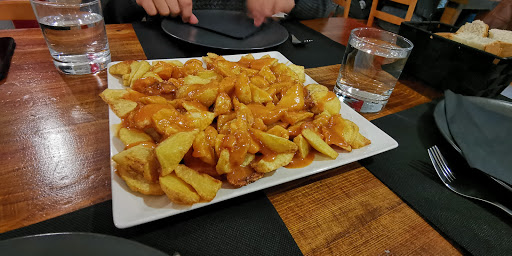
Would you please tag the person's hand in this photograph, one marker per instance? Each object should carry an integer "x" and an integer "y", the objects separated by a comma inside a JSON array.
[
  {"x": 259, "y": 10},
  {"x": 173, "y": 8}
]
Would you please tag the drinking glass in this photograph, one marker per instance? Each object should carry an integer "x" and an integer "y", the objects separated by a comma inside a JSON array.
[
  {"x": 74, "y": 31},
  {"x": 371, "y": 66}
]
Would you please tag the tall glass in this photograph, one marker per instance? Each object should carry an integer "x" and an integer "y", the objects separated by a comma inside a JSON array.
[
  {"x": 371, "y": 66},
  {"x": 74, "y": 31}
]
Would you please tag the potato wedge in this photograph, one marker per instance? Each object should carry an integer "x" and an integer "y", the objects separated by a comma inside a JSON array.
[
  {"x": 141, "y": 159},
  {"x": 275, "y": 143},
  {"x": 267, "y": 165},
  {"x": 137, "y": 183},
  {"x": 114, "y": 98},
  {"x": 120, "y": 68},
  {"x": 318, "y": 143},
  {"x": 170, "y": 151},
  {"x": 178, "y": 191},
  {"x": 204, "y": 184},
  {"x": 303, "y": 145},
  {"x": 133, "y": 136},
  {"x": 141, "y": 70}
]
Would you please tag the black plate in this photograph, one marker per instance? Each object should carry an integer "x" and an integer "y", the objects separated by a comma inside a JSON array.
[
  {"x": 74, "y": 244},
  {"x": 498, "y": 106},
  {"x": 269, "y": 35}
]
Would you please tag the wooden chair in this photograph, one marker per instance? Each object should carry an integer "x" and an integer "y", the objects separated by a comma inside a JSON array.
[
  {"x": 16, "y": 10},
  {"x": 346, "y": 6},
  {"x": 374, "y": 13}
]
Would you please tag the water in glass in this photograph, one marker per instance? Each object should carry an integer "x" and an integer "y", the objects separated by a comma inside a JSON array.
[
  {"x": 369, "y": 72},
  {"x": 77, "y": 42}
]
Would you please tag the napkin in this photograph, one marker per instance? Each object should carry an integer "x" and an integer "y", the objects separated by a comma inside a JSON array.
[
  {"x": 483, "y": 134},
  {"x": 230, "y": 23}
]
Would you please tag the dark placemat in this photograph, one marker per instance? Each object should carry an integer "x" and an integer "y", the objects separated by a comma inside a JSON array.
[
  {"x": 321, "y": 52},
  {"x": 247, "y": 225},
  {"x": 474, "y": 226}
]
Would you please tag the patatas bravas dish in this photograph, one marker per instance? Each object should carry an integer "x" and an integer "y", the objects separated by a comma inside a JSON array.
[{"x": 188, "y": 128}]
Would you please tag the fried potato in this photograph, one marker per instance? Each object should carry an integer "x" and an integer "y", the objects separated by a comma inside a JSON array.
[
  {"x": 266, "y": 73},
  {"x": 275, "y": 143},
  {"x": 259, "y": 95},
  {"x": 204, "y": 184},
  {"x": 223, "y": 165},
  {"x": 223, "y": 104},
  {"x": 203, "y": 150},
  {"x": 350, "y": 132},
  {"x": 141, "y": 159},
  {"x": 178, "y": 191},
  {"x": 200, "y": 119},
  {"x": 133, "y": 136},
  {"x": 242, "y": 89},
  {"x": 154, "y": 75},
  {"x": 293, "y": 98},
  {"x": 293, "y": 117},
  {"x": 187, "y": 128},
  {"x": 143, "y": 67},
  {"x": 299, "y": 70},
  {"x": 267, "y": 165},
  {"x": 114, "y": 98},
  {"x": 170, "y": 151},
  {"x": 318, "y": 143},
  {"x": 279, "y": 131},
  {"x": 195, "y": 80},
  {"x": 323, "y": 99},
  {"x": 303, "y": 145},
  {"x": 137, "y": 183},
  {"x": 120, "y": 68}
]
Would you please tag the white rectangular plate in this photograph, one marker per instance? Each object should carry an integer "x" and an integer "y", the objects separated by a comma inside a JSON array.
[{"x": 130, "y": 208}]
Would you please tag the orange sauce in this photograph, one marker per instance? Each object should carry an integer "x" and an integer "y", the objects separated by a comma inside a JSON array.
[
  {"x": 299, "y": 162},
  {"x": 329, "y": 96},
  {"x": 241, "y": 176}
]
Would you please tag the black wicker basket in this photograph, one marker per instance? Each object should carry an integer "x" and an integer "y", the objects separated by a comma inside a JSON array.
[{"x": 446, "y": 64}]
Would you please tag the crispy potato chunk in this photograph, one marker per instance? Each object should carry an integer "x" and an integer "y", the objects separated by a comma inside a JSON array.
[
  {"x": 114, "y": 98},
  {"x": 318, "y": 143},
  {"x": 279, "y": 131},
  {"x": 323, "y": 99},
  {"x": 120, "y": 68},
  {"x": 350, "y": 132},
  {"x": 133, "y": 136},
  {"x": 141, "y": 159},
  {"x": 178, "y": 191},
  {"x": 293, "y": 117},
  {"x": 204, "y": 184},
  {"x": 170, "y": 151},
  {"x": 137, "y": 183},
  {"x": 267, "y": 165},
  {"x": 303, "y": 145},
  {"x": 275, "y": 143}
]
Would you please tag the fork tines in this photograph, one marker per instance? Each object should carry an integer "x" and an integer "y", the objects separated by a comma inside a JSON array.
[{"x": 439, "y": 161}]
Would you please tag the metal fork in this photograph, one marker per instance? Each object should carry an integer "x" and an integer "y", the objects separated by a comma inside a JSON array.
[
  {"x": 471, "y": 184},
  {"x": 296, "y": 41}
]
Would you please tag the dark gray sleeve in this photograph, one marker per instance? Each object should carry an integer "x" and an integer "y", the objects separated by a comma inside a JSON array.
[{"x": 312, "y": 9}]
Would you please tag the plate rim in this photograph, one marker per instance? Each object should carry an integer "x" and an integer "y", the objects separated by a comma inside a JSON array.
[
  {"x": 387, "y": 141},
  {"x": 87, "y": 235}
]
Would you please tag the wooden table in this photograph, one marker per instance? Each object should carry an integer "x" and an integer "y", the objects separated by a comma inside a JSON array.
[{"x": 55, "y": 157}]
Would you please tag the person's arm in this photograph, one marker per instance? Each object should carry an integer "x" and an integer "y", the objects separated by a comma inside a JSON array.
[{"x": 174, "y": 8}]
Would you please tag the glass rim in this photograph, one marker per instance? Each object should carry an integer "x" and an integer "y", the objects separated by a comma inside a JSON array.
[
  {"x": 411, "y": 45},
  {"x": 61, "y": 4}
]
